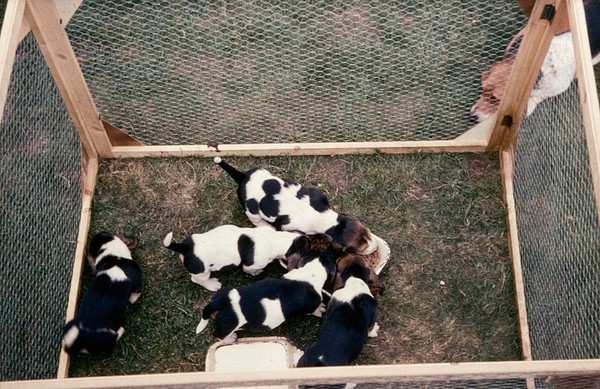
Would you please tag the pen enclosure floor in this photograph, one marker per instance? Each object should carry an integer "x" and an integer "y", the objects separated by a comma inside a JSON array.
[{"x": 442, "y": 216}]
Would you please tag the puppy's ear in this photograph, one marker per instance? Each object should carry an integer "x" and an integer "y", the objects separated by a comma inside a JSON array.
[
  {"x": 375, "y": 284},
  {"x": 130, "y": 241},
  {"x": 296, "y": 251}
]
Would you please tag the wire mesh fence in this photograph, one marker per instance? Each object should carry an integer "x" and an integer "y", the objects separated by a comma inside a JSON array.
[
  {"x": 184, "y": 72},
  {"x": 272, "y": 72},
  {"x": 40, "y": 203},
  {"x": 558, "y": 232}
]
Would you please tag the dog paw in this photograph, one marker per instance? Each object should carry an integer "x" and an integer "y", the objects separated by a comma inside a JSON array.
[
  {"x": 133, "y": 297},
  {"x": 229, "y": 339},
  {"x": 320, "y": 310},
  {"x": 373, "y": 332},
  {"x": 253, "y": 272},
  {"x": 212, "y": 284}
]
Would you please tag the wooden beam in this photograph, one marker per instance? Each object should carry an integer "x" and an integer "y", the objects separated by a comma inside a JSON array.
[
  {"x": 588, "y": 95},
  {"x": 340, "y": 374},
  {"x": 89, "y": 184},
  {"x": 507, "y": 164},
  {"x": 527, "y": 7},
  {"x": 13, "y": 19},
  {"x": 54, "y": 44},
  {"x": 300, "y": 149},
  {"x": 531, "y": 55},
  {"x": 65, "y": 8}
]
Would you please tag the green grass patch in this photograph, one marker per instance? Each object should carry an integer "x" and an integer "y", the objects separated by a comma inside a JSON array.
[{"x": 441, "y": 214}]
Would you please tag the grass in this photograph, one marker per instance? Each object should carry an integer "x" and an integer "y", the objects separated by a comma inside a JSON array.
[{"x": 441, "y": 214}]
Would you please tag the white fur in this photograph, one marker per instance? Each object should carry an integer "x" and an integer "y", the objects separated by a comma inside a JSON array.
[
  {"x": 303, "y": 217},
  {"x": 313, "y": 273},
  {"x": 373, "y": 332},
  {"x": 203, "y": 279},
  {"x": 168, "y": 239},
  {"x": 71, "y": 336},
  {"x": 218, "y": 248},
  {"x": 134, "y": 297},
  {"x": 115, "y": 273},
  {"x": 120, "y": 332},
  {"x": 274, "y": 313},
  {"x": 558, "y": 70},
  {"x": 115, "y": 247},
  {"x": 354, "y": 286},
  {"x": 201, "y": 326}
]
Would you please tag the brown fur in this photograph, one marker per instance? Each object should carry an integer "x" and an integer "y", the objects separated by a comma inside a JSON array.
[
  {"x": 375, "y": 284},
  {"x": 495, "y": 79}
]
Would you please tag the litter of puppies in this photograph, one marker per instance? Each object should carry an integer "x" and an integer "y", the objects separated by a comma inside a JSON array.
[{"x": 333, "y": 263}]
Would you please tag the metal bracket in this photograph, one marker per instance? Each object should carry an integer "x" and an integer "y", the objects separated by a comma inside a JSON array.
[{"x": 548, "y": 12}]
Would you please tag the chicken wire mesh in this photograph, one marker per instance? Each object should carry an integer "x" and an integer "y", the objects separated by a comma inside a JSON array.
[
  {"x": 558, "y": 231},
  {"x": 40, "y": 195},
  {"x": 186, "y": 72}
]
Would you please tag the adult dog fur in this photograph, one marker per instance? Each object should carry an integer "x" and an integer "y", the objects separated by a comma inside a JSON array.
[
  {"x": 288, "y": 206},
  {"x": 228, "y": 246},
  {"x": 349, "y": 321},
  {"x": 556, "y": 74},
  {"x": 266, "y": 304},
  {"x": 98, "y": 324}
]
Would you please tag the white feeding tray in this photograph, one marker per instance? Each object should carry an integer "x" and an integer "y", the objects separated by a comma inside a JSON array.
[
  {"x": 384, "y": 252},
  {"x": 252, "y": 354}
]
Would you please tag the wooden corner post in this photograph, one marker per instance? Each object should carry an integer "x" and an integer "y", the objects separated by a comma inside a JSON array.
[
  {"x": 546, "y": 18},
  {"x": 52, "y": 39}
]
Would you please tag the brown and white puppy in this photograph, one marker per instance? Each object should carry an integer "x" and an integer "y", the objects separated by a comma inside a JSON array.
[
  {"x": 289, "y": 206},
  {"x": 556, "y": 74},
  {"x": 99, "y": 321},
  {"x": 266, "y": 304},
  {"x": 350, "y": 261},
  {"x": 227, "y": 246},
  {"x": 349, "y": 321}
]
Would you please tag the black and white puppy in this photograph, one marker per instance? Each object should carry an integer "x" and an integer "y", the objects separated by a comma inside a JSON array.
[
  {"x": 228, "y": 246},
  {"x": 288, "y": 206},
  {"x": 266, "y": 304},
  {"x": 99, "y": 321},
  {"x": 349, "y": 321}
]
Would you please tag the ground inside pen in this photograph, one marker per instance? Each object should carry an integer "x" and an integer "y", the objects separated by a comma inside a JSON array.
[{"x": 449, "y": 294}]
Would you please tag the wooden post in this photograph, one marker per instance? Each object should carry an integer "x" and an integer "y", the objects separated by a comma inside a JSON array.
[
  {"x": 66, "y": 9},
  {"x": 54, "y": 44},
  {"x": 90, "y": 174},
  {"x": 13, "y": 18},
  {"x": 588, "y": 95},
  {"x": 507, "y": 165},
  {"x": 526, "y": 68},
  {"x": 411, "y": 373}
]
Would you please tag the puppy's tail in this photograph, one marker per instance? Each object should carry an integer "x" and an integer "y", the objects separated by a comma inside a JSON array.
[
  {"x": 70, "y": 335},
  {"x": 211, "y": 308},
  {"x": 206, "y": 313},
  {"x": 177, "y": 247},
  {"x": 237, "y": 175}
]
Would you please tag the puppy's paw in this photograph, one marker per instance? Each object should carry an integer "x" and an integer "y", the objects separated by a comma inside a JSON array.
[
  {"x": 133, "y": 297},
  {"x": 253, "y": 272},
  {"x": 120, "y": 332},
  {"x": 229, "y": 339},
  {"x": 320, "y": 310},
  {"x": 373, "y": 332},
  {"x": 212, "y": 284}
]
